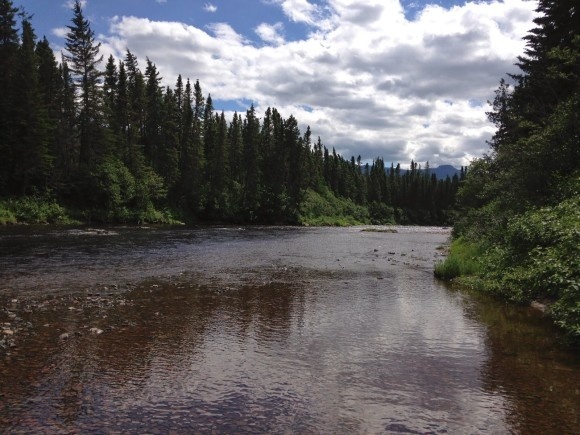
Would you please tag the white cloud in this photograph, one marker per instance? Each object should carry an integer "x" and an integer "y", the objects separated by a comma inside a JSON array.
[
  {"x": 208, "y": 7},
  {"x": 367, "y": 80},
  {"x": 69, "y": 4},
  {"x": 60, "y": 31},
  {"x": 225, "y": 33},
  {"x": 161, "y": 1},
  {"x": 271, "y": 34},
  {"x": 300, "y": 11}
]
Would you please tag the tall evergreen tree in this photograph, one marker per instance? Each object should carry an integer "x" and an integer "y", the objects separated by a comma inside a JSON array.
[
  {"x": 251, "y": 165},
  {"x": 9, "y": 44},
  {"x": 34, "y": 165},
  {"x": 168, "y": 153},
  {"x": 192, "y": 149},
  {"x": 219, "y": 193},
  {"x": 236, "y": 148},
  {"x": 153, "y": 115},
  {"x": 135, "y": 113},
  {"x": 52, "y": 93},
  {"x": 110, "y": 94},
  {"x": 296, "y": 168},
  {"x": 82, "y": 56}
]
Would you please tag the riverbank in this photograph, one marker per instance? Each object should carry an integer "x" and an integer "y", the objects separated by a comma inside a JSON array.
[
  {"x": 319, "y": 207},
  {"x": 535, "y": 264}
]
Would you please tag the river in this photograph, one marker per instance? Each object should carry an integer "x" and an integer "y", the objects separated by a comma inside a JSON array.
[{"x": 265, "y": 330}]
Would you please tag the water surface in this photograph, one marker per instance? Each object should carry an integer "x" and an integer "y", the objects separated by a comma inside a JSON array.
[{"x": 265, "y": 330}]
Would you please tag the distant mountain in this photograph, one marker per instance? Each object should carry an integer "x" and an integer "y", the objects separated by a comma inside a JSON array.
[
  {"x": 441, "y": 172},
  {"x": 445, "y": 171}
]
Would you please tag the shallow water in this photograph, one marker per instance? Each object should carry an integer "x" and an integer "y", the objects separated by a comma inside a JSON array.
[{"x": 265, "y": 330}]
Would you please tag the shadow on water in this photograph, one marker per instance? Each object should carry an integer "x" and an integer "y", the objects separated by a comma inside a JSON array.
[
  {"x": 269, "y": 331},
  {"x": 529, "y": 365}
]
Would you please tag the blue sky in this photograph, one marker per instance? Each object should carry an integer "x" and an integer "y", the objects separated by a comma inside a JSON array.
[{"x": 397, "y": 79}]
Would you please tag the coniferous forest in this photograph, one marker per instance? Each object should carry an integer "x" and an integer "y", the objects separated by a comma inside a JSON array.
[
  {"x": 93, "y": 140},
  {"x": 518, "y": 234}
]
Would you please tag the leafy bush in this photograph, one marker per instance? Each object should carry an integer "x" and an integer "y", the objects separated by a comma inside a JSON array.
[
  {"x": 33, "y": 210},
  {"x": 324, "y": 209},
  {"x": 544, "y": 254},
  {"x": 381, "y": 213},
  {"x": 113, "y": 186},
  {"x": 538, "y": 259},
  {"x": 6, "y": 215}
]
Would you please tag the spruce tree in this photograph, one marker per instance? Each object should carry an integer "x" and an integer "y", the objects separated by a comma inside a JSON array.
[
  {"x": 110, "y": 95},
  {"x": 9, "y": 44},
  {"x": 296, "y": 171},
  {"x": 33, "y": 166},
  {"x": 251, "y": 165},
  {"x": 82, "y": 56},
  {"x": 153, "y": 115},
  {"x": 236, "y": 147},
  {"x": 52, "y": 94},
  {"x": 168, "y": 153},
  {"x": 135, "y": 114}
]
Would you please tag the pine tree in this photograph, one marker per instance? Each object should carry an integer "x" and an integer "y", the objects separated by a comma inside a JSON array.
[
  {"x": 251, "y": 165},
  {"x": 191, "y": 185},
  {"x": 296, "y": 170},
  {"x": 236, "y": 145},
  {"x": 52, "y": 95},
  {"x": 153, "y": 115},
  {"x": 9, "y": 45},
  {"x": 110, "y": 95},
  {"x": 538, "y": 122},
  {"x": 67, "y": 138},
  {"x": 33, "y": 166},
  {"x": 83, "y": 60},
  {"x": 136, "y": 99},
  {"x": 221, "y": 170},
  {"x": 209, "y": 134},
  {"x": 168, "y": 154},
  {"x": 121, "y": 115}
]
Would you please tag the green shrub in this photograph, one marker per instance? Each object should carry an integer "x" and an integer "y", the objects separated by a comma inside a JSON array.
[
  {"x": 6, "y": 215},
  {"x": 543, "y": 251},
  {"x": 538, "y": 258},
  {"x": 324, "y": 209},
  {"x": 381, "y": 213},
  {"x": 32, "y": 210}
]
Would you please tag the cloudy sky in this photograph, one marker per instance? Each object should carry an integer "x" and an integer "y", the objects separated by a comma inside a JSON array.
[{"x": 397, "y": 79}]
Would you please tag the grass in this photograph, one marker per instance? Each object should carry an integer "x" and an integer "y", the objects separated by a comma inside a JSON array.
[
  {"x": 463, "y": 260},
  {"x": 379, "y": 230}
]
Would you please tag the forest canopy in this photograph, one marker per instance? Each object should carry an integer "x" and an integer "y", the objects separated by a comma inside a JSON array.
[{"x": 103, "y": 140}]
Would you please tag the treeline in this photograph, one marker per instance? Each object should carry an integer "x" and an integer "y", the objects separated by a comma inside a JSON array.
[
  {"x": 519, "y": 234},
  {"x": 113, "y": 145}
]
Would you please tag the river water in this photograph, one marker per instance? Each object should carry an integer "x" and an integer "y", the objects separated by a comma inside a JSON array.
[{"x": 265, "y": 330}]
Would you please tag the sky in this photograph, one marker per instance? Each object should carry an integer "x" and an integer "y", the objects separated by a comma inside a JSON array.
[{"x": 398, "y": 79}]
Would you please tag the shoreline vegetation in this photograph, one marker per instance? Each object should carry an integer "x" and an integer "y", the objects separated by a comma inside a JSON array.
[
  {"x": 517, "y": 234},
  {"x": 318, "y": 209}
]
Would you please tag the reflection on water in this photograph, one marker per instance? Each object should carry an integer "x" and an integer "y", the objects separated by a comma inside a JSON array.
[{"x": 277, "y": 331}]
